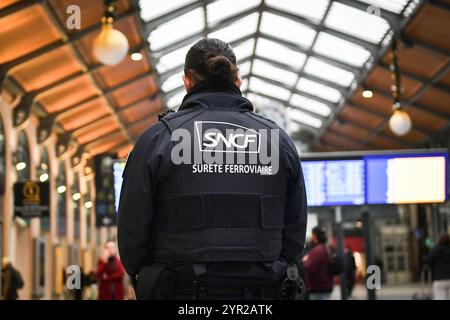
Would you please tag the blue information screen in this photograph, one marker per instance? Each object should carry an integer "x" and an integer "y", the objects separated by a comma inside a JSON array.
[
  {"x": 334, "y": 182},
  {"x": 377, "y": 179},
  {"x": 414, "y": 178}
]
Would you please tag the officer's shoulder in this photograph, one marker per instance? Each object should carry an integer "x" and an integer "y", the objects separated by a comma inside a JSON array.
[
  {"x": 262, "y": 119},
  {"x": 170, "y": 115}
]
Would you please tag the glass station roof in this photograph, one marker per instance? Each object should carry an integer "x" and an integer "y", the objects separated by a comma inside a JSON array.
[{"x": 306, "y": 55}]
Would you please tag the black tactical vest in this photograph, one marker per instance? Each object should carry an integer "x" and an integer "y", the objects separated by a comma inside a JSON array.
[{"x": 203, "y": 214}]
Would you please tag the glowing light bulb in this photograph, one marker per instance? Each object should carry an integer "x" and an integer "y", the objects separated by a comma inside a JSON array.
[
  {"x": 61, "y": 189},
  {"x": 110, "y": 46},
  {"x": 43, "y": 177},
  {"x": 400, "y": 122}
]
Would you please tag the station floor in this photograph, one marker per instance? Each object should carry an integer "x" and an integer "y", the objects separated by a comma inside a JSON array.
[{"x": 387, "y": 292}]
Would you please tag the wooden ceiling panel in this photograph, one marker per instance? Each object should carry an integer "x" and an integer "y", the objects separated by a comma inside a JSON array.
[
  {"x": 106, "y": 144},
  {"x": 349, "y": 130},
  {"x": 123, "y": 152},
  {"x": 381, "y": 79},
  {"x": 360, "y": 116},
  {"x": 127, "y": 26},
  {"x": 13, "y": 27},
  {"x": 413, "y": 137},
  {"x": 425, "y": 119},
  {"x": 46, "y": 69},
  {"x": 7, "y": 3},
  {"x": 445, "y": 81},
  {"x": 68, "y": 94},
  {"x": 431, "y": 25},
  {"x": 335, "y": 140},
  {"x": 135, "y": 91},
  {"x": 91, "y": 11},
  {"x": 418, "y": 61},
  {"x": 386, "y": 143},
  {"x": 378, "y": 103},
  {"x": 139, "y": 127},
  {"x": 142, "y": 109},
  {"x": 104, "y": 127},
  {"x": 127, "y": 69},
  {"x": 321, "y": 147},
  {"x": 436, "y": 99},
  {"x": 85, "y": 114}
]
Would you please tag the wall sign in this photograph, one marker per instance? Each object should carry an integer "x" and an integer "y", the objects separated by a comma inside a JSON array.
[{"x": 31, "y": 199}]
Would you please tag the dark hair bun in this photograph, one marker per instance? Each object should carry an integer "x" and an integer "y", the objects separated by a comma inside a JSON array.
[{"x": 220, "y": 68}]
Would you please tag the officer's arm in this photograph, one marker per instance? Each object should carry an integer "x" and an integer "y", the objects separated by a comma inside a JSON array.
[
  {"x": 136, "y": 202},
  {"x": 296, "y": 208}
]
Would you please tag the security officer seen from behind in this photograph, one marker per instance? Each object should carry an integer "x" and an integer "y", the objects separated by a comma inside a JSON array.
[{"x": 213, "y": 202}]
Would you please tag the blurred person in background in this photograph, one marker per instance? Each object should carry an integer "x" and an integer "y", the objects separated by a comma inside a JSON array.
[
  {"x": 11, "y": 280},
  {"x": 350, "y": 270},
  {"x": 439, "y": 263},
  {"x": 317, "y": 266},
  {"x": 110, "y": 274}
]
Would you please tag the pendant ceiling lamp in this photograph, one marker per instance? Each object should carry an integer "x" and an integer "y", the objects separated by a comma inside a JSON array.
[
  {"x": 399, "y": 122},
  {"x": 111, "y": 45}
]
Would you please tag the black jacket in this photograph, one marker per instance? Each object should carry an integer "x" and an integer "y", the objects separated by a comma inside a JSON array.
[
  {"x": 226, "y": 200},
  {"x": 439, "y": 262}
]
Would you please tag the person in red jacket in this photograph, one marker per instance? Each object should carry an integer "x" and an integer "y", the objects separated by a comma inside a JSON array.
[
  {"x": 317, "y": 266},
  {"x": 110, "y": 273}
]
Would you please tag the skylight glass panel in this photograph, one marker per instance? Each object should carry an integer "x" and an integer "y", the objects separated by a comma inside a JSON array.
[
  {"x": 269, "y": 71},
  {"x": 277, "y": 52},
  {"x": 244, "y": 50},
  {"x": 177, "y": 29},
  {"x": 395, "y": 6},
  {"x": 151, "y": 9},
  {"x": 341, "y": 50},
  {"x": 313, "y": 9},
  {"x": 222, "y": 9},
  {"x": 319, "y": 90},
  {"x": 304, "y": 118},
  {"x": 329, "y": 72},
  {"x": 287, "y": 29},
  {"x": 310, "y": 105},
  {"x": 174, "y": 101},
  {"x": 356, "y": 22},
  {"x": 244, "y": 85},
  {"x": 237, "y": 29},
  {"x": 244, "y": 68},
  {"x": 172, "y": 82},
  {"x": 173, "y": 59},
  {"x": 271, "y": 90}
]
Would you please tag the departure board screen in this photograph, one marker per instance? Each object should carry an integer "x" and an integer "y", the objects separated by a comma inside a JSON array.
[
  {"x": 397, "y": 179},
  {"x": 334, "y": 182}
]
